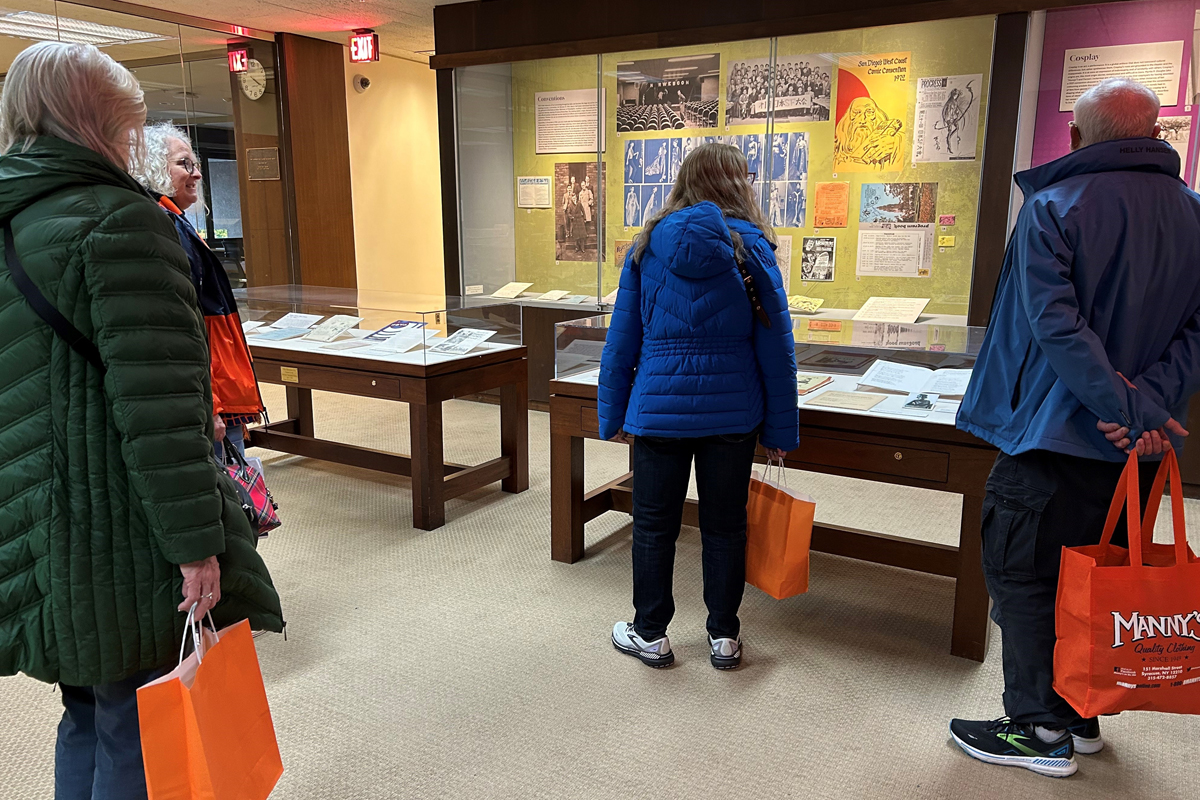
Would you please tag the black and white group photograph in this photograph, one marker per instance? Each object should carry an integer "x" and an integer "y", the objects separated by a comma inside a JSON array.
[
  {"x": 803, "y": 87},
  {"x": 663, "y": 94},
  {"x": 578, "y": 196}
]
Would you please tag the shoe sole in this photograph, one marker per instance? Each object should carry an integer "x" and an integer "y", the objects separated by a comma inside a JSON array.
[
  {"x": 1050, "y": 767},
  {"x": 654, "y": 663},
  {"x": 1088, "y": 747},
  {"x": 723, "y": 663}
]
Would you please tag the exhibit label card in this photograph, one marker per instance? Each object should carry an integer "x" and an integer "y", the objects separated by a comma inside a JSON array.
[
  {"x": 463, "y": 341},
  {"x": 853, "y": 401},
  {"x": 575, "y": 299},
  {"x": 831, "y": 204},
  {"x": 251, "y": 325},
  {"x": 568, "y": 121},
  {"x": 279, "y": 334},
  {"x": 947, "y": 121},
  {"x": 296, "y": 320},
  {"x": 904, "y": 310},
  {"x": 553, "y": 294},
  {"x": 333, "y": 327},
  {"x": 895, "y": 249},
  {"x": 511, "y": 290},
  {"x": 534, "y": 192},
  {"x": 1155, "y": 64}
]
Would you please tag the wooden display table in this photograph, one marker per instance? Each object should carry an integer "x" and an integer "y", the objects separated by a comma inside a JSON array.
[
  {"x": 424, "y": 387},
  {"x": 896, "y": 451}
]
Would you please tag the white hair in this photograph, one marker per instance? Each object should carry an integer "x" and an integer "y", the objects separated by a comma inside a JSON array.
[
  {"x": 1116, "y": 108},
  {"x": 155, "y": 170},
  {"x": 77, "y": 93}
]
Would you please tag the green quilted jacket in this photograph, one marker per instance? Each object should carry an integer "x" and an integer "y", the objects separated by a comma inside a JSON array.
[{"x": 106, "y": 483}]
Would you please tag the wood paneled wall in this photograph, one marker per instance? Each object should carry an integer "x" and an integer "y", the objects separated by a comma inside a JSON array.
[{"x": 318, "y": 157}]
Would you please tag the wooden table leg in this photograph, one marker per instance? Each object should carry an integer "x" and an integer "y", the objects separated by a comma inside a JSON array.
[
  {"x": 300, "y": 409},
  {"x": 566, "y": 498},
  {"x": 514, "y": 434},
  {"x": 428, "y": 465},
  {"x": 971, "y": 602}
]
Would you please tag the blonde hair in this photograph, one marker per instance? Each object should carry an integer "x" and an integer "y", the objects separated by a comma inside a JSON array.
[
  {"x": 716, "y": 173},
  {"x": 77, "y": 93}
]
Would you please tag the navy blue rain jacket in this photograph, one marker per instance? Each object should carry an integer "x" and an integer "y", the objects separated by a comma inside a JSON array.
[
  {"x": 685, "y": 354},
  {"x": 1102, "y": 276}
]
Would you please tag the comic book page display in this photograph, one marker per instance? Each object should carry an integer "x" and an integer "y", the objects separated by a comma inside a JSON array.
[
  {"x": 872, "y": 106},
  {"x": 947, "y": 119}
]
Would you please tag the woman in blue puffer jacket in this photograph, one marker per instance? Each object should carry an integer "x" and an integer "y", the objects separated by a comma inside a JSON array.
[{"x": 699, "y": 363}]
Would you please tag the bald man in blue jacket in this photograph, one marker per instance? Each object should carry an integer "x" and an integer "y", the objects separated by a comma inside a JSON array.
[{"x": 1093, "y": 350}]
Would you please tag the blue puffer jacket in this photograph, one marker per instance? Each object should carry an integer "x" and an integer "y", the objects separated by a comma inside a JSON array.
[
  {"x": 1102, "y": 277},
  {"x": 685, "y": 355}
]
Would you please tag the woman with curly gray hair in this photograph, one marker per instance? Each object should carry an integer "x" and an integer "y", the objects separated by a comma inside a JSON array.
[{"x": 171, "y": 172}]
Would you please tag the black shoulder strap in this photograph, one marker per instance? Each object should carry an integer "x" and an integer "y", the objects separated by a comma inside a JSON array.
[
  {"x": 750, "y": 286},
  {"x": 49, "y": 314}
]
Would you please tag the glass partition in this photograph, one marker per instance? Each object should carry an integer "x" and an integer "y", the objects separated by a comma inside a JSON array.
[
  {"x": 418, "y": 330},
  {"x": 866, "y": 147},
  {"x": 914, "y": 372}
]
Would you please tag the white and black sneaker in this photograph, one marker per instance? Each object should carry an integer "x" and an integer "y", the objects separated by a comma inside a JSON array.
[
  {"x": 655, "y": 654},
  {"x": 725, "y": 653},
  {"x": 1086, "y": 734}
]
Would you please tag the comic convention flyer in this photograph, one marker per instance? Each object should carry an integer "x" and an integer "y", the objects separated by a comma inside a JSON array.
[{"x": 872, "y": 105}]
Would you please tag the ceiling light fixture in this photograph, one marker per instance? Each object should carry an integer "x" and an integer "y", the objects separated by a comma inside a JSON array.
[{"x": 47, "y": 28}]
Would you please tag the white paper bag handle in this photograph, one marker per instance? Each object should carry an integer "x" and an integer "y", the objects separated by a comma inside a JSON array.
[
  {"x": 781, "y": 473},
  {"x": 196, "y": 628}
]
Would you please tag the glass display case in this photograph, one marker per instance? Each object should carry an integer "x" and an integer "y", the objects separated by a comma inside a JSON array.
[
  {"x": 910, "y": 372},
  {"x": 866, "y": 147},
  {"x": 377, "y": 326}
]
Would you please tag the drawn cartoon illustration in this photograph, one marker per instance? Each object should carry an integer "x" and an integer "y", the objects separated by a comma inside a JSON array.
[
  {"x": 798, "y": 157},
  {"x": 867, "y": 135},
  {"x": 633, "y": 161},
  {"x": 954, "y": 112},
  {"x": 656, "y": 160},
  {"x": 633, "y": 207},
  {"x": 778, "y": 203},
  {"x": 651, "y": 203}
]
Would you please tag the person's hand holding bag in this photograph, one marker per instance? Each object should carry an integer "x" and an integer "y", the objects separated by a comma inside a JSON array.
[{"x": 201, "y": 585}]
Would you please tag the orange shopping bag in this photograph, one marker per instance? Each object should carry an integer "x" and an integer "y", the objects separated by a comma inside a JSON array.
[
  {"x": 1128, "y": 621},
  {"x": 779, "y": 523},
  {"x": 206, "y": 729}
]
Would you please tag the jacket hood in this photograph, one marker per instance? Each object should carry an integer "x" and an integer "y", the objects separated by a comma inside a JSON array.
[
  {"x": 1140, "y": 154},
  {"x": 694, "y": 242},
  {"x": 50, "y": 165}
]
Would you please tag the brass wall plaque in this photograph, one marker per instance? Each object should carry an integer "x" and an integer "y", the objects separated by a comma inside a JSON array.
[
  {"x": 289, "y": 374},
  {"x": 262, "y": 163}
]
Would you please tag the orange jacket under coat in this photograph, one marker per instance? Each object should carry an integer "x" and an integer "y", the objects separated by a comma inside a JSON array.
[{"x": 234, "y": 387}]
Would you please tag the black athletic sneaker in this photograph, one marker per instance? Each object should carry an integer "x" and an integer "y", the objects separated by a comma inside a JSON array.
[
  {"x": 1087, "y": 736},
  {"x": 1010, "y": 744}
]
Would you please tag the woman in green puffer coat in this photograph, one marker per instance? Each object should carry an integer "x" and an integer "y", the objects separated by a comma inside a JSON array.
[{"x": 112, "y": 509}]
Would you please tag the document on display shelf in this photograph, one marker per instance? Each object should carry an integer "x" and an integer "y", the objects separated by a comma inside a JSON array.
[
  {"x": 399, "y": 326},
  {"x": 297, "y": 320},
  {"x": 332, "y": 328},
  {"x": 349, "y": 344},
  {"x": 511, "y": 290},
  {"x": 278, "y": 334},
  {"x": 575, "y": 299},
  {"x": 251, "y": 325},
  {"x": 399, "y": 342},
  {"x": 904, "y": 310},
  {"x": 892, "y": 378},
  {"x": 552, "y": 295},
  {"x": 853, "y": 401},
  {"x": 807, "y": 384},
  {"x": 463, "y": 341}
]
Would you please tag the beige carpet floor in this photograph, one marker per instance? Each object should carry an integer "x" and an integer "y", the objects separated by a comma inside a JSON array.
[{"x": 463, "y": 663}]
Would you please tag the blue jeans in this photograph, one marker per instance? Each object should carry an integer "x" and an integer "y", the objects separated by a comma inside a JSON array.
[
  {"x": 234, "y": 435},
  {"x": 661, "y": 468},
  {"x": 99, "y": 750}
]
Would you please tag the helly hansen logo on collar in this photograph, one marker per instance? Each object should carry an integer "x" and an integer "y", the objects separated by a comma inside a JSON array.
[
  {"x": 1143, "y": 627},
  {"x": 1142, "y": 149}
]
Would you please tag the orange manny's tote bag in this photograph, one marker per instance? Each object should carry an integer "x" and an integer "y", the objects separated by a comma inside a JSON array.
[
  {"x": 206, "y": 729},
  {"x": 1128, "y": 621},
  {"x": 779, "y": 523}
]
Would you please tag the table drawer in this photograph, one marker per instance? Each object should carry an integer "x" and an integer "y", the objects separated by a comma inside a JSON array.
[
  {"x": 872, "y": 458},
  {"x": 328, "y": 380},
  {"x": 589, "y": 420}
]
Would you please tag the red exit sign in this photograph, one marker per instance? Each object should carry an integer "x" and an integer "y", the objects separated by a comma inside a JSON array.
[
  {"x": 364, "y": 46},
  {"x": 239, "y": 60}
]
